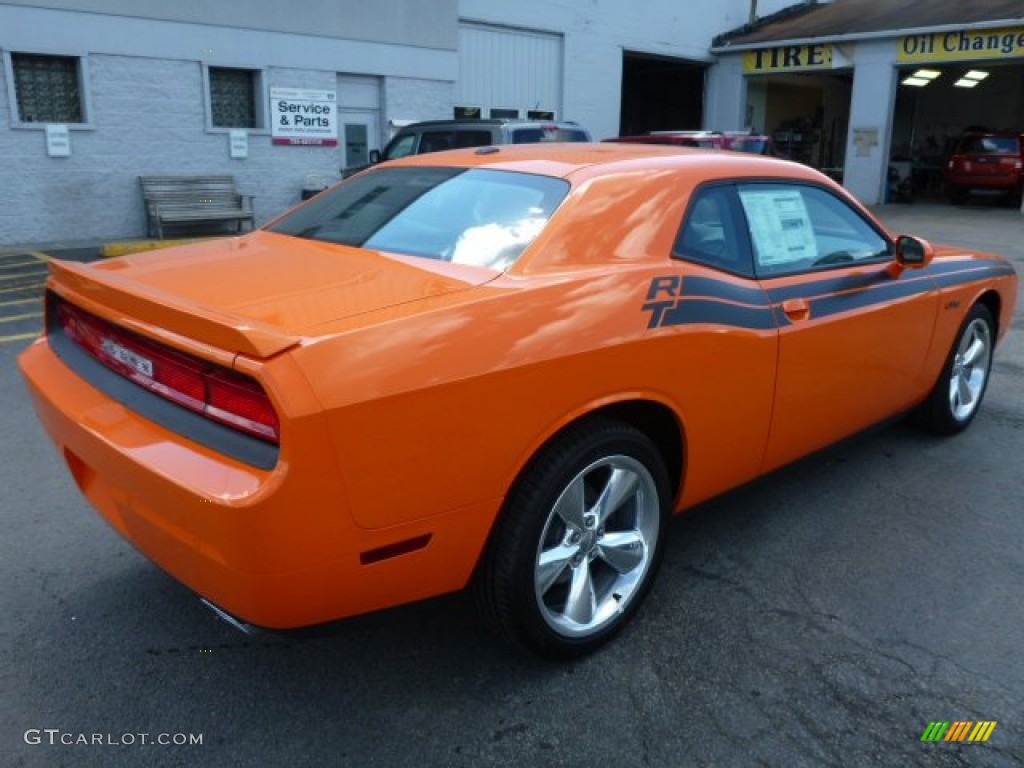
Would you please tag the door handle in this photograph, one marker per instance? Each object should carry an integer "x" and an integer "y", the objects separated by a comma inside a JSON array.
[{"x": 797, "y": 309}]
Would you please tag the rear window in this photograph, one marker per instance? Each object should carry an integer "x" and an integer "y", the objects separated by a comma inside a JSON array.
[
  {"x": 465, "y": 139},
  {"x": 554, "y": 133},
  {"x": 466, "y": 216},
  {"x": 990, "y": 145}
]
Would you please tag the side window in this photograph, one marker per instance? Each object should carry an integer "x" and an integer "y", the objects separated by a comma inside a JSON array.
[
  {"x": 400, "y": 147},
  {"x": 547, "y": 133},
  {"x": 795, "y": 228},
  {"x": 711, "y": 231},
  {"x": 436, "y": 141}
]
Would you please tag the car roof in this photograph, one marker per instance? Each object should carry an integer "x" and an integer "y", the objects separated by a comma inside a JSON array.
[{"x": 609, "y": 158}]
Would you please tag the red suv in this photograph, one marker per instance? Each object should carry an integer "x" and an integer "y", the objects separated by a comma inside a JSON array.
[{"x": 986, "y": 161}]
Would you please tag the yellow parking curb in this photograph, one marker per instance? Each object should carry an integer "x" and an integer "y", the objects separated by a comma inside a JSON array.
[{"x": 123, "y": 248}]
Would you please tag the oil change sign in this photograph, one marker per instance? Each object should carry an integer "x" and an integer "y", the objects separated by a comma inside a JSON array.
[
  {"x": 303, "y": 117},
  {"x": 1004, "y": 43}
]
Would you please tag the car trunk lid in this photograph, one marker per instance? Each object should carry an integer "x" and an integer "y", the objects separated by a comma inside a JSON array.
[{"x": 261, "y": 294}]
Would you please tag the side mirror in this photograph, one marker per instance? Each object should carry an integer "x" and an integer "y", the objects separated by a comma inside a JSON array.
[
  {"x": 913, "y": 252},
  {"x": 374, "y": 156}
]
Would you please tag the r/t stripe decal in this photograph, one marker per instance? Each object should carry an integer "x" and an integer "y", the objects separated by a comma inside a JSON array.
[
  {"x": 690, "y": 311},
  {"x": 675, "y": 300}
]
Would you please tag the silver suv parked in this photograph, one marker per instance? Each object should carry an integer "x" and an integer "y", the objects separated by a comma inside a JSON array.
[{"x": 438, "y": 135}]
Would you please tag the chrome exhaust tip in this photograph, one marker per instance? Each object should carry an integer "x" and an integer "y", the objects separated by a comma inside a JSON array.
[{"x": 220, "y": 613}]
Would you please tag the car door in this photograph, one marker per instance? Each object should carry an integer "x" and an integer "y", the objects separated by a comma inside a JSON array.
[
  {"x": 853, "y": 333},
  {"x": 719, "y": 341}
]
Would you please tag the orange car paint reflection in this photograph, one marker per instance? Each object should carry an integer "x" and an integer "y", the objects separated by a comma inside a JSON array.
[{"x": 411, "y": 393}]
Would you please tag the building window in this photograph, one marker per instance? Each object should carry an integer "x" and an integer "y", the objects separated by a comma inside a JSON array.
[
  {"x": 48, "y": 89},
  {"x": 233, "y": 97}
]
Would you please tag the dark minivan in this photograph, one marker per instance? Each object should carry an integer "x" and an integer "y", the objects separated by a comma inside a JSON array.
[{"x": 439, "y": 135}]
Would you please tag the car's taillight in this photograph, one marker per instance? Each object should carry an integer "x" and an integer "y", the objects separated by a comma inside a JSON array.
[
  {"x": 241, "y": 403},
  {"x": 217, "y": 393}
]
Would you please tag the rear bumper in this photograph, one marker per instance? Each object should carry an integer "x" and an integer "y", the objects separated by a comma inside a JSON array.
[
  {"x": 1008, "y": 182},
  {"x": 275, "y": 548}
]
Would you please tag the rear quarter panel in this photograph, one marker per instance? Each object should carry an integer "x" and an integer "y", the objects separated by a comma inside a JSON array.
[{"x": 440, "y": 409}]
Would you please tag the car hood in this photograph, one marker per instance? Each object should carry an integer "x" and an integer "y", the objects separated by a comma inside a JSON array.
[{"x": 261, "y": 285}]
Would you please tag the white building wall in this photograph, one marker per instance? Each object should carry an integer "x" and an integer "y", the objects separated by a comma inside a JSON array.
[
  {"x": 726, "y": 97},
  {"x": 402, "y": 22},
  {"x": 597, "y": 33},
  {"x": 146, "y": 92},
  {"x": 871, "y": 110},
  {"x": 147, "y": 115},
  {"x": 411, "y": 98}
]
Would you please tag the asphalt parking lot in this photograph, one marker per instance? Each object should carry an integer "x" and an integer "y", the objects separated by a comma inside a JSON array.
[{"x": 823, "y": 616}]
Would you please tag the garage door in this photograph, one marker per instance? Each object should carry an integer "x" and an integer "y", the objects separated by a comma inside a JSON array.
[{"x": 507, "y": 72}]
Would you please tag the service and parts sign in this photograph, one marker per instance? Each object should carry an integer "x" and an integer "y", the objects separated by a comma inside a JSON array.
[
  {"x": 303, "y": 117},
  {"x": 1004, "y": 43},
  {"x": 789, "y": 58}
]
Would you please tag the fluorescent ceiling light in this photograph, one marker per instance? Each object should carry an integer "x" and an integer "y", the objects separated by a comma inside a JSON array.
[
  {"x": 976, "y": 74},
  {"x": 963, "y": 82},
  {"x": 919, "y": 81},
  {"x": 926, "y": 74}
]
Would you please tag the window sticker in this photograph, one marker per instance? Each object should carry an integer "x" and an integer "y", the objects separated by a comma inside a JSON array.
[{"x": 779, "y": 225}]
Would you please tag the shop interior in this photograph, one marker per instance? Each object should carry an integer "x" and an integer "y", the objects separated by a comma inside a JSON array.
[
  {"x": 807, "y": 116},
  {"x": 660, "y": 94},
  {"x": 935, "y": 104}
]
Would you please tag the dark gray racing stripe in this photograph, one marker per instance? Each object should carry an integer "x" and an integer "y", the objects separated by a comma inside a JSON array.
[{"x": 689, "y": 311}]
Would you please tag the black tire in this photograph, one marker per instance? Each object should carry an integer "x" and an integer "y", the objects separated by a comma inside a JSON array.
[
  {"x": 1014, "y": 198},
  {"x": 537, "y": 567},
  {"x": 948, "y": 409},
  {"x": 956, "y": 195}
]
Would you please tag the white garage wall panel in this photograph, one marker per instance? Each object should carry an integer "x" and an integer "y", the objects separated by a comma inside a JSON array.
[{"x": 507, "y": 68}]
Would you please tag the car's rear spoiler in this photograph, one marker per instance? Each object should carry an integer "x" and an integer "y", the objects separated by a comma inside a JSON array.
[{"x": 146, "y": 306}]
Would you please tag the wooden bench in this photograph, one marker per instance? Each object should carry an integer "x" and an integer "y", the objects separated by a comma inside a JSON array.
[{"x": 182, "y": 200}]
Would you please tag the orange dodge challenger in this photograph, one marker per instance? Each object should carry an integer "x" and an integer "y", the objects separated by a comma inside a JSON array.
[{"x": 503, "y": 367}]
